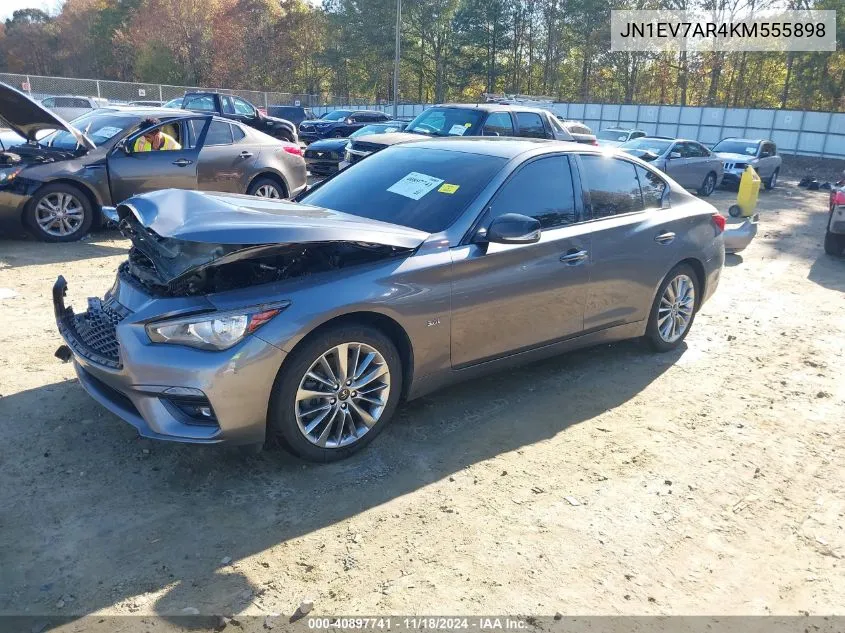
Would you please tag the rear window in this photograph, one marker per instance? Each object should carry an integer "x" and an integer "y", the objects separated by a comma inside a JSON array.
[
  {"x": 448, "y": 122},
  {"x": 425, "y": 189}
]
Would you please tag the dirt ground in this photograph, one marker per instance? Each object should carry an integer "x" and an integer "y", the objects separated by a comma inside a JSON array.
[{"x": 608, "y": 481}]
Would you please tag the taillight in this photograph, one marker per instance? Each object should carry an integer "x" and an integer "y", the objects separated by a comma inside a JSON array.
[
  {"x": 594, "y": 142},
  {"x": 296, "y": 150},
  {"x": 719, "y": 221},
  {"x": 837, "y": 198}
]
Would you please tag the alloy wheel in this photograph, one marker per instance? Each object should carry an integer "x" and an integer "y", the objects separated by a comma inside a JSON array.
[
  {"x": 675, "y": 311},
  {"x": 59, "y": 214},
  {"x": 268, "y": 191},
  {"x": 709, "y": 184},
  {"x": 342, "y": 395}
]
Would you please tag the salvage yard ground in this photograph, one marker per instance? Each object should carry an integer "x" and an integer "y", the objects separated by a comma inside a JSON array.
[{"x": 611, "y": 480}]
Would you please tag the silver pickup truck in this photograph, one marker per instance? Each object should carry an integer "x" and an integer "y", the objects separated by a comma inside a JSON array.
[{"x": 738, "y": 153}]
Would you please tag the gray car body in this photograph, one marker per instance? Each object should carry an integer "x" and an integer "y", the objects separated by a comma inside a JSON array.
[
  {"x": 688, "y": 171},
  {"x": 108, "y": 175},
  {"x": 455, "y": 308},
  {"x": 765, "y": 160},
  {"x": 70, "y": 106}
]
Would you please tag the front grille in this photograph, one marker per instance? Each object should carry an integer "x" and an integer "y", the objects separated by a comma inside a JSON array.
[
  {"x": 321, "y": 155},
  {"x": 93, "y": 333},
  {"x": 730, "y": 166}
]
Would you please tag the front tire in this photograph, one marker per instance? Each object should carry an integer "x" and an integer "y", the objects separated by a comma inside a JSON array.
[
  {"x": 335, "y": 393},
  {"x": 673, "y": 310},
  {"x": 59, "y": 213},
  {"x": 834, "y": 243},
  {"x": 772, "y": 181},
  {"x": 708, "y": 185}
]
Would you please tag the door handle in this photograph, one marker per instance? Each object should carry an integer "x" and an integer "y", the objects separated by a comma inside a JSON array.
[
  {"x": 574, "y": 257},
  {"x": 245, "y": 154},
  {"x": 666, "y": 237},
  {"x": 183, "y": 162}
]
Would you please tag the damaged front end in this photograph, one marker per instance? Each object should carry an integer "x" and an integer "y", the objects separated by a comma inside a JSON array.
[{"x": 233, "y": 242}]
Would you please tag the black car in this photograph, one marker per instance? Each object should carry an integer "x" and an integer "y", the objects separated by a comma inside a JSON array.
[
  {"x": 339, "y": 124},
  {"x": 323, "y": 157},
  {"x": 294, "y": 114},
  {"x": 59, "y": 177},
  {"x": 241, "y": 110}
]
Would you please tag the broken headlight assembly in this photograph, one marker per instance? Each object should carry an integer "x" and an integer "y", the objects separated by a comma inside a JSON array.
[
  {"x": 212, "y": 332},
  {"x": 8, "y": 174}
]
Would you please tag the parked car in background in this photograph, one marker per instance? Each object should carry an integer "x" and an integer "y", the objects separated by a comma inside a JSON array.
[
  {"x": 147, "y": 104},
  {"x": 339, "y": 124},
  {"x": 59, "y": 180},
  {"x": 486, "y": 119},
  {"x": 615, "y": 136},
  {"x": 294, "y": 114},
  {"x": 174, "y": 103},
  {"x": 580, "y": 132},
  {"x": 688, "y": 163},
  {"x": 242, "y": 111},
  {"x": 427, "y": 263},
  {"x": 70, "y": 107},
  {"x": 739, "y": 153},
  {"x": 323, "y": 157},
  {"x": 834, "y": 236}
]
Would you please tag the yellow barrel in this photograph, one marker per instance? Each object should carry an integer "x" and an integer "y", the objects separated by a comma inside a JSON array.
[{"x": 749, "y": 189}]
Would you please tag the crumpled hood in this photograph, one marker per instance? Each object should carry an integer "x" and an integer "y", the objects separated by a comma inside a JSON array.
[
  {"x": 217, "y": 218},
  {"x": 744, "y": 158},
  {"x": 27, "y": 117},
  {"x": 391, "y": 138}
]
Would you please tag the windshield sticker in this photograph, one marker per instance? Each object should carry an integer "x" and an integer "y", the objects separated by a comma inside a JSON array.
[
  {"x": 467, "y": 124},
  {"x": 457, "y": 130},
  {"x": 415, "y": 185},
  {"x": 751, "y": 150},
  {"x": 447, "y": 188},
  {"x": 106, "y": 132}
]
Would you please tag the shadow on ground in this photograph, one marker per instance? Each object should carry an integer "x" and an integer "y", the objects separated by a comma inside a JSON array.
[
  {"x": 135, "y": 522},
  {"x": 15, "y": 253}
]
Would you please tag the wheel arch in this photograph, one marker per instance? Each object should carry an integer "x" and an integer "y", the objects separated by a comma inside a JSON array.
[
  {"x": 385, "y": 324},
  {"x": 700, "y": 273},
  {"x": 272, "y": 175}
]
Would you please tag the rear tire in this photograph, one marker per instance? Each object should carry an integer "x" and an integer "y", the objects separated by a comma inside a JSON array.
[
  {"x": 678, "y": 303},
  {"x": 834, "y": 243},
  {"x": 290, "y": 415},
  {"x": 59, "y": 213},
  {"x": 772, "y": 181},
  {"x": 708, "y": 186},
  {"x": 266, "y": 187}
]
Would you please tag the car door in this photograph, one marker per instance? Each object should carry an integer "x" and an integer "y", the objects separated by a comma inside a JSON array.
[
  {"x": 131, "y": 173},
  {"x": 225, "y": 163},
  {"x": 767, "y": 162},
  {"x": 510, "y": 297},
  {"x": 634, "y": 239},
  {"x": 681, "y": 167}
]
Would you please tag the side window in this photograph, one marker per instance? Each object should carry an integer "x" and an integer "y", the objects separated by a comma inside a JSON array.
[
  {"x": 530, "y": 125},
  {"x": 382, "y": 117},
  {"x": 194, "y": 130},
  {"x": 652, "y": 186},
  {"x": 228, "y": 108},
  {"x": 238, "y": 133},
  {"x": 552, "y": 199},
  {"x": 64, "y": 102},
  {"x": 242, "y": 107},
  {"x": 682, "y": 149},
  {"x": 768, "y": 150},
  {"x": 81, "y": 103},
  {"x": 498, "y": 123},
  {"x": 613, "y": 185},
  {"x": 636, "y": 135},
  {"x": 49, "y": 102},
  {"x": 203, "y": 103},
  {"x": 699, "y": 150},
  {"x": 219, "y": 134},
  {"x": 172, "y": 129}
]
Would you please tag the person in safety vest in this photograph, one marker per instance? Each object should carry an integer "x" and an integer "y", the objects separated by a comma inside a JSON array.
[{"x": 154, "y": 139}]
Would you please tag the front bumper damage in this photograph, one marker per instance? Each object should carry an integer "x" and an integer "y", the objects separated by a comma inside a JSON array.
[{"x": 159, "y": 389}]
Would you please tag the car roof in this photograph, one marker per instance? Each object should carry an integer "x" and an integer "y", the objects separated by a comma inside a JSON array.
[
  {"x": 500, "y": 146},
  {"x": 663, "y": 138},
  {"x": 161, "y": 113},
  {"x": 491, "y": 107},
  {"x": 745, "y": 140},
  {"x": 624, "y": 129}
]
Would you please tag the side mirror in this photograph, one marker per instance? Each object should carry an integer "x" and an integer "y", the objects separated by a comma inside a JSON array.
[
  {"x": 674, "y": 154},
  {"x": 514, "y": 228},
  {"x": 348, "y": 121}
]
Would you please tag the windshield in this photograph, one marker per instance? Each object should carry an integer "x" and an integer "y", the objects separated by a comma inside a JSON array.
[
  {"x": 654, "y": 145},
  {"x": 425, "y": 189},
  {"x": 336, "y": 115},
  {"x": 612, "y": 135},
  {"x": 99, "y": 127},
  {"x": 379, "y": 128},
  {"x": 732, "y": 146},
  {"x": 174, "y": 103},
  {"x": 447, "y": 122}
]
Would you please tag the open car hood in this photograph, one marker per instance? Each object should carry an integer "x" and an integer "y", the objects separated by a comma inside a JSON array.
[
  {"x": 181, "y": 232},
  {"x": 27, "y": 117}
]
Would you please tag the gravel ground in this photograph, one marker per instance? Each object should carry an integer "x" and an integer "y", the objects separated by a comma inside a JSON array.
[{"x": 608, "y": 481}]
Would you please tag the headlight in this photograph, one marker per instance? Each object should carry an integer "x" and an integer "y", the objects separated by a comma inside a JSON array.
[
  {"x": 8, "y": 174},
  {"x": 347, "y": 156},
  {"x": 211, "y": 332}
]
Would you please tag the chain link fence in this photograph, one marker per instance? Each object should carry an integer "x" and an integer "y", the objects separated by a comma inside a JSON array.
[{"x": 121, "y": 92}]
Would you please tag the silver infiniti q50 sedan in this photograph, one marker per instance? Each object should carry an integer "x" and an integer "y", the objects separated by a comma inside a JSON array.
[{"x": 239, "y": 319}]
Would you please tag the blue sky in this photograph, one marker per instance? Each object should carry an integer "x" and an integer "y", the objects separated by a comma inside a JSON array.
[{"x": 8, "y": 7}]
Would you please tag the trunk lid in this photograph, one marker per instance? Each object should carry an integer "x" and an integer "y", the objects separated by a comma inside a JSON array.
[{"x": 27, "y": 117}]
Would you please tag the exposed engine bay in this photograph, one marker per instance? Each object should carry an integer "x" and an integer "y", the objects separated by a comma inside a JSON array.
[{"x": 33, "y": 155}]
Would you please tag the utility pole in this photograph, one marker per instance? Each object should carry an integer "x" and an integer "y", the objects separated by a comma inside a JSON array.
[{"x": 396, "y": 59}]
